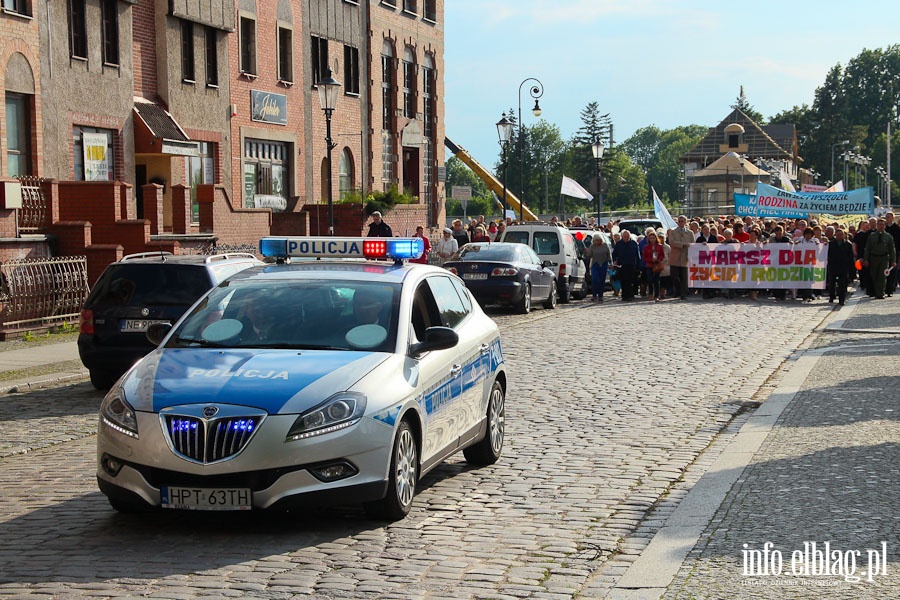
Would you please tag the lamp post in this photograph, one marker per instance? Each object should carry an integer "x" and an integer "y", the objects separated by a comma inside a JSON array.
[
  {"x": 833, "y": 146},
  {"x": 597, "y": 149},
  {"x": 504, "y": 132},
  {"x": 329, "y": 91},
  {"x": 535, "y": 91}
]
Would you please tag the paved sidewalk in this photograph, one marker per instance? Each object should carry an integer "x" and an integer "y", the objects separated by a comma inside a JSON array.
[
  {"x": 46, "y": 355},
  {"x": 817, "y": 463}
]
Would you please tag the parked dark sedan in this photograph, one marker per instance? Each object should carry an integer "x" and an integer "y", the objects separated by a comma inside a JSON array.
[{"x": 505, "y": 273}]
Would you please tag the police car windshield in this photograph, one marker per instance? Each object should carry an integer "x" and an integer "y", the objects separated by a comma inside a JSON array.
[{"x": 298, "y": 314}]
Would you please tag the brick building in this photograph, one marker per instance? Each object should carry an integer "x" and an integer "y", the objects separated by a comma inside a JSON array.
[{"x": 215, "y": 103}]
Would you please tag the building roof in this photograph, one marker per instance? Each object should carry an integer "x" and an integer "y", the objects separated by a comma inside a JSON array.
[
  {"x": 769, "y": 142},
  {"x": 731, "y": 164}
]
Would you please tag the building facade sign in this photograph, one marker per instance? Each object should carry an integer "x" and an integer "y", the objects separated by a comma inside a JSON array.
[{"x": 267, "y": 107}]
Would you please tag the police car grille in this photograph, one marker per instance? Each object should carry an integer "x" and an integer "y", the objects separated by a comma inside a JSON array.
[{"x": 210, "y": 441}]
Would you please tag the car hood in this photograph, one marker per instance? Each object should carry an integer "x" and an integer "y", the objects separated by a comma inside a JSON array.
[{"x": 276, "y": 381}]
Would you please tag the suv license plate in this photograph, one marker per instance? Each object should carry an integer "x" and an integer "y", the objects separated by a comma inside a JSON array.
[
  {"x": 474, "y": 275},
  {"x": 133, "y": 325},
  {"x": 206, "y": 498}
]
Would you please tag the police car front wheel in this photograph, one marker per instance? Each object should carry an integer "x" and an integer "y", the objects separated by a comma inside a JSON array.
[{"x": 402, "y": 479}]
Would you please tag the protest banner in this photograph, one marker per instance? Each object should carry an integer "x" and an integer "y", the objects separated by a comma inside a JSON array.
[
  {"x": 757, "y": 266},
  {"x": 773, "y": 202}
]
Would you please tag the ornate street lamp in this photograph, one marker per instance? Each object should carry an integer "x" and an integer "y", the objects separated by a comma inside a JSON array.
[
  {"x": 329, "y": 92},
  {"x": 535, "y": 91},
  {"x": 597, "y": 149},
  {"x": 504, "y": 132},
  {"x": 833, "y": 146}
]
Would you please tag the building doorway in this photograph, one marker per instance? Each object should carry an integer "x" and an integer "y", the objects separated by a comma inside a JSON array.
[{"x": 411, "y": 165}]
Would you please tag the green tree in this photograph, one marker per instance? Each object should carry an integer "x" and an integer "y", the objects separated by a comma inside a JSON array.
[
  {"x": 482, "y": 202},
  {"x": 745, "y": 107}
]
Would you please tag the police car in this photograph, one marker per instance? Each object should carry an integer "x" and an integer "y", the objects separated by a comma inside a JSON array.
[{"x": 308, "y": 382}]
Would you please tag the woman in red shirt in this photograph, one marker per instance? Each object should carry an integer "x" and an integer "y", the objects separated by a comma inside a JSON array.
[{"x": 654, "y": 256}]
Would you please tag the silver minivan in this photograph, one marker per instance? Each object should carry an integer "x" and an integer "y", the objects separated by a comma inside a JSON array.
[{"x": 556, "y": 244}]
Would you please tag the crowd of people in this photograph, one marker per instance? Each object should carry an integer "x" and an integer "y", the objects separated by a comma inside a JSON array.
[
  {"x": 867, "y": 251},
  {"x": 655, "y": 265}
]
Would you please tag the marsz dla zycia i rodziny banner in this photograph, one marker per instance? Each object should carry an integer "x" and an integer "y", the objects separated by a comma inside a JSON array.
[
  {"x": 757, "y": 266},
  {"x": 774, "y": 202}
]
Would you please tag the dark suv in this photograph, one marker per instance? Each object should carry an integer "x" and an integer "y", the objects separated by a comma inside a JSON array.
[{"x": 137, "y": 291}]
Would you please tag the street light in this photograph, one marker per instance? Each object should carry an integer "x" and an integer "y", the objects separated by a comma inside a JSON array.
[
  {"x": 329, "y": 92},
  {"x": 504, "y": 132},
  {"x": 833, "y": 146},
  {"x": 597, "y": 149},
  {"x": 535, "y": 91}
]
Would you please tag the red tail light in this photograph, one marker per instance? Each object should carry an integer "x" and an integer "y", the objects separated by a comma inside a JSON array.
[
  {"x": 86, "y": 321},
  {"x": 562, "y": 269},
  {"x": 504, "y": 272},
  {"x": 452, "y": 270}
]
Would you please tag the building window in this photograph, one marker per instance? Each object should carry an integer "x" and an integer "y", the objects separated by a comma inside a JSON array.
[
  {"x": 17, "y": 6},
  {"x": 199, "y": 170},
  {"x": 409, "y": 85},
  {"x": 266, "y": 169},
  {"x": 428, "y": 96},
  {"x": 187, "y": 51},
  {"x": 345, "y": 177},
  {"x": 77, "y": 29},
  {"x": 319, "y": 59},
  {"x": 93, "y": 154},
  {"x": 428, "y": 172},
  {"x": 351, "y": 70},
  {"x": 109, "y": 10},
  {"x": 409, "y": 6},
  {"x": 285, "y": 54},
  {"x": 248, "y": 46},
  {"x": 18, "y": 135},
  {"x": 212, "y": 58},
  {"x": 430, "y": 11},
  {"x": 387, "y": 86},
  {"x": 387, "y": 160}
]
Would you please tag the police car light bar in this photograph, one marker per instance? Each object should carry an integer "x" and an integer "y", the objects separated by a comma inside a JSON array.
[{"x": 341, "y": 247}]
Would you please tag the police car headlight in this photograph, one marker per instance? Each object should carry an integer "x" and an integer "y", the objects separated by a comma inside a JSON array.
[
  {"x": 118, "y": 414},
  {"x": 340, "y": 411}
]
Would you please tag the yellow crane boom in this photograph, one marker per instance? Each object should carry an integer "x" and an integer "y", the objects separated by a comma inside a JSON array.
[{"x": 491, "y": 181}]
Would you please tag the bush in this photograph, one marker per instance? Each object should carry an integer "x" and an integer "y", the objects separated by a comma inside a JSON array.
[{"x": 382, "y": 202}]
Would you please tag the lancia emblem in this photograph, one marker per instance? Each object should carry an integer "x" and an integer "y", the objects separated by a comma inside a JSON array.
[
  {"x": 145, "y": 312},
  {"x": 210, "y": 411}
]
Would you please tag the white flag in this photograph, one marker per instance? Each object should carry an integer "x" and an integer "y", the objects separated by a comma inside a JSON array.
[
  {"x": 572, "y": 188},
  {"x": 786, "y": 182},
  {"x": 838, "y": 187},
  {"x": 662, "y": 213}
]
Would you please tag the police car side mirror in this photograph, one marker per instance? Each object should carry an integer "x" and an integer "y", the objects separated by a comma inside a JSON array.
[
  {"x": 436, "y": 338},
  {"x": 156, "y": 332}
]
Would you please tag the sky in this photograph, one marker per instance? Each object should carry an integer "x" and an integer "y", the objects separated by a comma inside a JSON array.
[{"x": 646, "y": 62}]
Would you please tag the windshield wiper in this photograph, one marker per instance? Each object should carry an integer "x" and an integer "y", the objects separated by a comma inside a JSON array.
[{"x": 197, "y": 342}]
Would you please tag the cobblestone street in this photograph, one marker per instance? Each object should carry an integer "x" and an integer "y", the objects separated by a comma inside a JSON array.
[{"x": 610, "y": 410}]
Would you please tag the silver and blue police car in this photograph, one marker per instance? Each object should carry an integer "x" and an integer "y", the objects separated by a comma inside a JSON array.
[{"x": 308, "y": 382}]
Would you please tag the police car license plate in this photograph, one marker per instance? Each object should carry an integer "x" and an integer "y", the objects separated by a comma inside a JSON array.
[
  {"x": 132, "y": 325},
  {"x": 474, "y": 275},
  {"x": 206, "y": 498}
]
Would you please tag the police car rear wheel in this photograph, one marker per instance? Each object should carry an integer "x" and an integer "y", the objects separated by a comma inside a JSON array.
[
  {"x": 402, "y": 480},
  {"x": 487, "y": 451}
]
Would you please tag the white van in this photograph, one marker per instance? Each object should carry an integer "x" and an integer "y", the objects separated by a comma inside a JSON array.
[{"x": 556, "y": 244}]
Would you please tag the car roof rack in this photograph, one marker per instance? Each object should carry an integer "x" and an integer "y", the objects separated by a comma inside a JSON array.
[
  {"x": 229, "y": 255},
  {"x": 160, "y": 254}
]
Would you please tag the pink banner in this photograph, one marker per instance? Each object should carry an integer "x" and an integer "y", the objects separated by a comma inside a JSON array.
[{"x": 757, "y": 266}]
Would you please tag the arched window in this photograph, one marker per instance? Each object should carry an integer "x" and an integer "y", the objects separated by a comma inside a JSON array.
[
  {"x": 387, "y": 85},
  {"x": 409, "y": 83},
  {"x": 346, "y": 173}
]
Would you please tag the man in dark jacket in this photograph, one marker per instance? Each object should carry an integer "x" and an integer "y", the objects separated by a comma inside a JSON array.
[
  {"x": 378, "y": 228},
  {"x": 840, "y": 265},
  {"x": 894, "y": 229},
  {"x": 627, "y": 256}
]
